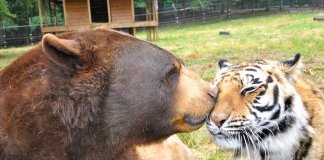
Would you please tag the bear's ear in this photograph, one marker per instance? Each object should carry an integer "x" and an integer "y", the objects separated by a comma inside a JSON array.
[
  {"x": 292, "y": 67},
  {"x": 63, "y": 52},
  {"x": 223, "y": 64}
]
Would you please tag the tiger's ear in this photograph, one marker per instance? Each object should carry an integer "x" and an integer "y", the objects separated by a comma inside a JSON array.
[
  {"x": 292, "y": 67},
  {"x": 63, "y": 52},
  {"x": 223, "y": 64}
]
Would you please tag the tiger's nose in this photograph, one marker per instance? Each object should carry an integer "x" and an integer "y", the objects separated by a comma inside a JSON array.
[{"x": 219, "y": 120}]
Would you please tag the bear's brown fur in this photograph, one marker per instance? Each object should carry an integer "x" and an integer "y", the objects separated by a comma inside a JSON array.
[{"x": 94, "y": 94}]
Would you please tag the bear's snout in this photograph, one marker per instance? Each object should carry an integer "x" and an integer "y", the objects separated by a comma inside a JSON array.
[{"x": 195, "y": 98}]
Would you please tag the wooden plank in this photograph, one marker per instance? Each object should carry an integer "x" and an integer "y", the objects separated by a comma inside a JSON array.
[
  {"x": 123, "y": 17},
  {"x": 156, "y": 9},
  {"x": 56, "y": 18},
  {"x": 147, "y": 13},
  {"x": 108, "y": 25},
  {"x": 118, "y": 7},
  {"x": 40, "y": 15},
  {"x": 78, "y": 22},
  {"x": 50, "y": 11},
  {"x": 77, "y": 15},
  {"x": 65, "y": 14},
  {"x": 54, "y": 29},
  {"x": 78, "y": 12},
  {"x": 153, "y": 13},
  {"x": 127, "y": 24},
  {"x": 108, "y": 11},
  {"x": 133, "y": 14},
  {"x": 65, "y": 28},
  {"x": 44, "y": 7},
  {"x": 77, "y": 8},
  {"x": 132, "y": 31}
]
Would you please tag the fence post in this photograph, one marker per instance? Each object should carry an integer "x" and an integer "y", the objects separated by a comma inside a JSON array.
[
  {"x": 267, "y": 5},
  {"x": 4, "y": 41},
  {"x": 31, "y": 39},
  {"x": 252, "y": 7},
  {"x": 177, "y": 21},
  {"x": 229, "y": 5},
  {"x": 223, "y": 6},
  {"x": 204, "y": 18},
  {"x": 177, "y": 17},
  {"x": 176, "y": 14}
]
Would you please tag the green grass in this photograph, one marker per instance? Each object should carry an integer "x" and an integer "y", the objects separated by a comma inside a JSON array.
[
  {"x": 277, "y": 36},
  {"x": 8, "y": 55}
]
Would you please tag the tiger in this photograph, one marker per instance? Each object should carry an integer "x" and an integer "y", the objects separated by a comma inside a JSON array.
[{"x": 266, "y": 110}]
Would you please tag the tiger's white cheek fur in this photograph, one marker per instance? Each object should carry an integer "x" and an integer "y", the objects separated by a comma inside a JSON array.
[
  {"x": 285, "y": 144},
  {"x": 220, "y": 138},
  {"x": 230, "y": 144}
]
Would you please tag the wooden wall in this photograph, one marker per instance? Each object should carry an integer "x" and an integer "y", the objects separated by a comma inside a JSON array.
[
  {"x": 77, "y": 12},
  {"x": 121, "y": 11}
]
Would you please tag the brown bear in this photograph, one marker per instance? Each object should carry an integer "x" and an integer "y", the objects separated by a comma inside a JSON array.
[{"x": 93, "y": 94}]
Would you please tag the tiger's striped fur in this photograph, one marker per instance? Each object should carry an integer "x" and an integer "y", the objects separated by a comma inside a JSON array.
[{"x": 269, "y": 111}]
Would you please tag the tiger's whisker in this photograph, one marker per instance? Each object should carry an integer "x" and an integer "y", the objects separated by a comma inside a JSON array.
[
  {"x": 246, "y": 145},
  {"x": 251, "y": 139},
  {"x": 260, "y": 141}
]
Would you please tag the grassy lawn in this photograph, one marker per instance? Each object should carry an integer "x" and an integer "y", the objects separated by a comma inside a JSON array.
[{"x": 277, "y": 36}]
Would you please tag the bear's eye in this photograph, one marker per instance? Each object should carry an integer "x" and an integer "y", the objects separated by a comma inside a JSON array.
[{"x": 172, "y": 73}]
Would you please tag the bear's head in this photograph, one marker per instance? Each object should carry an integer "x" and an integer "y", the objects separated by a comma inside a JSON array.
[{"x": 136, "y": 91}]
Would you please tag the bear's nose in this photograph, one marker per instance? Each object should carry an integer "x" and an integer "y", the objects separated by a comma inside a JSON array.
[
  {"x": 219, "y": 120},
  {"x": 212, "y": 91}
]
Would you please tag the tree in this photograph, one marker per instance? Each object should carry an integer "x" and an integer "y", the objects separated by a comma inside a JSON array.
[
  {"x": 23, "y": 9},
  {"x": 200, "y": 3},
  {"x": 5, "y": 14}
]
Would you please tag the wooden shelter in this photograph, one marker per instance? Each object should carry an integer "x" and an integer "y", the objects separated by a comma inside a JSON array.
[{"x": 85, "y": 14}]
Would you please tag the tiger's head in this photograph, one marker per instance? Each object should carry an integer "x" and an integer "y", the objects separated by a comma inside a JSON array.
[{"x": 256, "y": 105}]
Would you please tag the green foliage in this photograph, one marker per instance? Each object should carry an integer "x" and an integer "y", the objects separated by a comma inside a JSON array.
[
  {"x": 200, "y": 3},
  {"x": 5, "y": 14},
  {"x": 23, "y": 9},
  {"x": 139, "y": 3}
]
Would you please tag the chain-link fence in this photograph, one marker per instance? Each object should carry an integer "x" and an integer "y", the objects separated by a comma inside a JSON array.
[
  {"x": 179, "y": 15},
  {"x": 218, "y": 9},
  {"x": 19, "y": 36}
]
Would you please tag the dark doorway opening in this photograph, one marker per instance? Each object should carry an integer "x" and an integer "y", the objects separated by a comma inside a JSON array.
[{"x": 99, "y": 11}]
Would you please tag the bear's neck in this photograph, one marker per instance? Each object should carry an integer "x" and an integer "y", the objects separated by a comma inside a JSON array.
[{"x": 87, "y": 131}]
